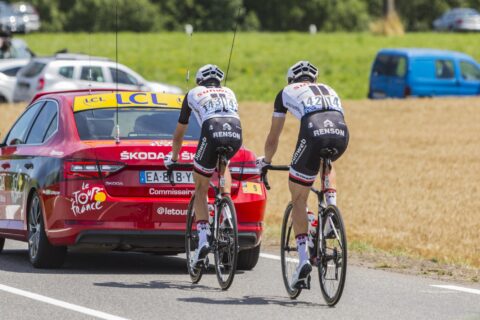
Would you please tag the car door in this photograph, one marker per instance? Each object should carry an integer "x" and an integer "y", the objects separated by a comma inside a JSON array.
[
  {"x": 396, "y": 81},
  {"x": 12, "y": 172},
  {"x": 468, "y": 78},
  {"x": 379, "y": 77},
  {"x": 445, "y": 83}
]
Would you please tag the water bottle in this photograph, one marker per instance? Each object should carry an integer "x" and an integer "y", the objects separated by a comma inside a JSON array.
[
  {"x": 211, "y": 214},
  {"x": 312, "y": 227}
]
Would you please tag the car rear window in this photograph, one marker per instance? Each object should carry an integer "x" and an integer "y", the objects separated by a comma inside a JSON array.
[
  {"x": 33, "y": 69},
  {"x": 390, "y": 65},
  {"x": 135, "y": 124}
]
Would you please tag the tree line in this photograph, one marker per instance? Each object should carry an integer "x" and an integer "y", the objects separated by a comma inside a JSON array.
[{"x": 220, "y": 15}]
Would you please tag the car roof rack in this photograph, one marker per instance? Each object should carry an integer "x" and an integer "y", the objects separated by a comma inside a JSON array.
[{"x": 78, "y": 56}]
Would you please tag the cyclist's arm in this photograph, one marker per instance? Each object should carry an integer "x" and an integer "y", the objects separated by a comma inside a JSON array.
[
  {"x": 181, "y": 128},
  {"x": 273, "y": 138},
  {"x": 278, "y": 120}
]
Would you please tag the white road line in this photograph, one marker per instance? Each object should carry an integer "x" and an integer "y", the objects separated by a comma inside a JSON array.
[
  {"x": 61, "y": 304},
  {"x": 274, "y": 257},
  {"x": 457, "y": 288}
]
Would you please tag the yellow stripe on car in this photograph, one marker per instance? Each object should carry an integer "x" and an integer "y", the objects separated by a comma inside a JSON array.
[{"x": 126, "y": 100}]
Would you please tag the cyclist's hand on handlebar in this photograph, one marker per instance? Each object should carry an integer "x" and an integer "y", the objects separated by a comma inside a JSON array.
[
  {"x": 261, "y": 163},
  {"x": 168, "y": 161}
]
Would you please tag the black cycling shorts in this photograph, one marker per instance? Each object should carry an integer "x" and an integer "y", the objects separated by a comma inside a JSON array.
[
  {"x": 319, "y": 130},
  {"x": 216, "y": 132}
]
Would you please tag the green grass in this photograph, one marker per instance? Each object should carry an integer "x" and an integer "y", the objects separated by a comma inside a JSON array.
[{"x": 260, "y": 60}]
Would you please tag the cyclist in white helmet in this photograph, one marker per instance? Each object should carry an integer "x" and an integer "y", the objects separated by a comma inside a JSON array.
[
  {"x": 215, "y": 108},
  {"x": 320, "y": 112}
]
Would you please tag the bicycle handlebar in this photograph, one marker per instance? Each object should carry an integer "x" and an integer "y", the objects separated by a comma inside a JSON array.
[
  {"x": 177, "y": 166},
  {"x": 265, "y": 169}
]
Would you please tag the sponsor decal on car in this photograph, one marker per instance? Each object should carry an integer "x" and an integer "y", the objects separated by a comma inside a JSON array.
[
  {"x": 126, "y": 99},
  {"x": 152, "y": 155},
  {"x": 89, "y": 198},
  {"x": 171, "y": 211},
  {"x": 49, "y": 192}
]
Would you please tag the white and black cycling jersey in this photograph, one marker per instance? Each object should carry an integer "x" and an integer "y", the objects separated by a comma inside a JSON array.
[
  {"x": 207, "y": 103},
  {"x": 304, "y": 97}
]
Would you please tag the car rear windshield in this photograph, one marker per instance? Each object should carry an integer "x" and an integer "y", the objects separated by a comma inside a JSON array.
[
  {"x": 390, "y": 65},
  {"x": 33, "y": 69},
  {"x": 135, "y": 124}
]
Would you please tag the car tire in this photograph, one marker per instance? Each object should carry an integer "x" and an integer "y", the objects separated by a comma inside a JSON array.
[
  {"x": 2, "y": 243},
  {"x": 247, "y": 259},
  {"x": 41, "y": 253}
]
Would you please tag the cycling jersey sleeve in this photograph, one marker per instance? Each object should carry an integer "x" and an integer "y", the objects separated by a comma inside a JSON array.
[
  {"x": 279, "y": 110},
  {"x": 185, "y": 111}
]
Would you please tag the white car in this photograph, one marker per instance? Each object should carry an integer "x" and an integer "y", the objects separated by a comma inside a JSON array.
[
  {"x": 76, "y": 71},
  {"x": 459, "y": 19},
  {"x": 8, "y": 73}
]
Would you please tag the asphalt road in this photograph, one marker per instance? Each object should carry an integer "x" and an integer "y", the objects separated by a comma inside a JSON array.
[{"x": 137, "y": 286}]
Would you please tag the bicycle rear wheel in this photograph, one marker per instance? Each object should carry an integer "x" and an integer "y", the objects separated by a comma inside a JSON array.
[
  {"x": 332, "y": 268},
  {"x": 288, "y": 253},
  {"x": 226, "y": 239},
  {"x": 191, "y": 243}
]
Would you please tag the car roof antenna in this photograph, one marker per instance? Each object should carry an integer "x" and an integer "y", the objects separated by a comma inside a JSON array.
[
  {"x": 117, "y": 126},
  {"x": 233, "y": 43}
]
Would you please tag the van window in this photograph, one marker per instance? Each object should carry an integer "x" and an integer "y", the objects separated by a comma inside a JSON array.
[
  {"x": 390, "y": 65},
  {"x": 469, "y": 71},
  {"x": 444, "y": 69}
]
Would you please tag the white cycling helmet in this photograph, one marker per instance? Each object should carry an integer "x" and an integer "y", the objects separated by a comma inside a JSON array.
[
  {"x": 302, "y": 68},
  {"x": 209, "y": 72}
]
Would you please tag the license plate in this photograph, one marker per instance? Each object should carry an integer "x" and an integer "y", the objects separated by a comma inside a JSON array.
[{"x": 161, "y": 177}]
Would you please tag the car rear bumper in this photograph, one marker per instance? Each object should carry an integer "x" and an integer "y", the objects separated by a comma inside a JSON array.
[{"x": 166, "y": 241}]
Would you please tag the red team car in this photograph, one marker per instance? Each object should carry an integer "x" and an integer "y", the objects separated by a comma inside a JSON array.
[{"x": 67, "y": 178}]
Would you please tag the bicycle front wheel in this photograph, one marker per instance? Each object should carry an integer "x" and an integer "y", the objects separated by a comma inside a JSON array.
[
  {"x": 332, "y": 268},
  {"x": 191, "y": 243},
  {"x": 288, "y": 253},
  {"x": 226, "y": 243}
]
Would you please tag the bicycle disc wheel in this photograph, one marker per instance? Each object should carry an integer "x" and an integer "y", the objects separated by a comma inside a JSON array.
[
  {"x": 226, "y": 239},
  {"x": 191, "y": 243},
  {"x": 288, "y": 253},
  {"x": 332, "y": 268}
]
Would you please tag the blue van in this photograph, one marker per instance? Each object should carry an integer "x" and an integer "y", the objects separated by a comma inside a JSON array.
[{"x": 399, "y": 73}]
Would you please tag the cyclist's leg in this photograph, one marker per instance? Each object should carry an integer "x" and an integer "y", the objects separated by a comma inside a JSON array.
[{"x": 231, "y": 138}]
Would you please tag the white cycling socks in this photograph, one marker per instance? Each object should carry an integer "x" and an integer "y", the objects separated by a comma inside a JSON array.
[
  {"x": 203, "y": 230},
  {"x": 302, "y": 247}
]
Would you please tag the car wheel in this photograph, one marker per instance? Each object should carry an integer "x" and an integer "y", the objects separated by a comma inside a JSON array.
[
  {"x": 2, "y": 243},
  {"x": 42, "y": 254},
  {"x": 247, "y": 259}
]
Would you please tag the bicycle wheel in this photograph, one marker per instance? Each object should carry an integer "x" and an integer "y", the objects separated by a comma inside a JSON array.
[
  {"x": 226, "y": 243},
  {"x": 191, "y": 243},
  {"x": 288, "y": 252},
  {"x": 332, "y": 268}
]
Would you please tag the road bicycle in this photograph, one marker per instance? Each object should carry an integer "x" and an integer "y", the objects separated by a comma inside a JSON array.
[
  {"x": 329, "y": 251},
  {"x": 223, "y": 239}
]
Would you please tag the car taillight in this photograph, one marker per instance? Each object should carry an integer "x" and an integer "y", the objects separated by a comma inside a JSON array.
[
  {"x": 244, "y": 172},
  {"x": 41, "y": 84},
  {"x": 407, "y": 91},
  {"x": 73, "y": 169}
]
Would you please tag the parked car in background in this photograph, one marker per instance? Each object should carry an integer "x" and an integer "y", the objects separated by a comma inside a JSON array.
[
  {"x": 399, "y": 73},
  {"x": 65, "y": 180},
  {"x": 459, "y": 19},
  {"x": 8, "y": 77},
  {"x": 10, "y": 20},
  {"x": 76, "y": 71},
  {"x": 28, "y": 15}
]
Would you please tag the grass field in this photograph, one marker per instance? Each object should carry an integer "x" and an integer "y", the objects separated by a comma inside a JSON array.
[
  {"x": 260, "y": 60},
  {"x": 408, "y": 182}
]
